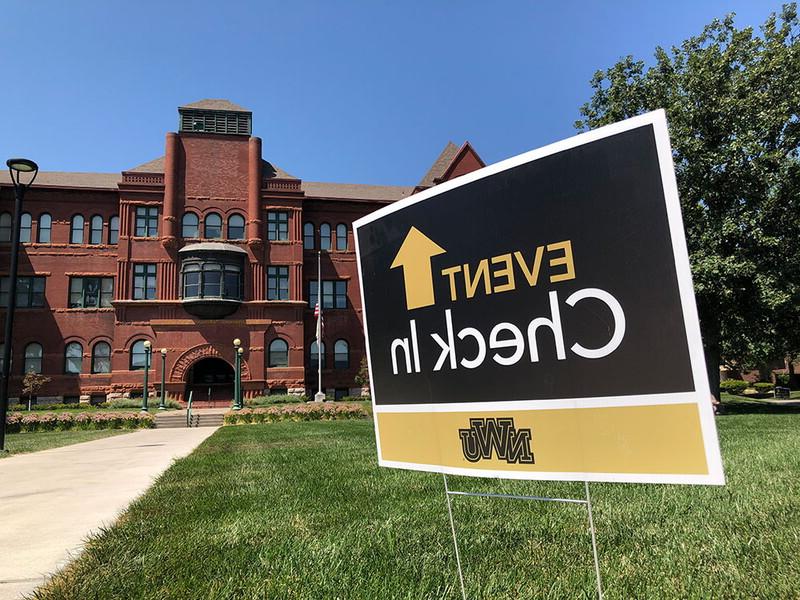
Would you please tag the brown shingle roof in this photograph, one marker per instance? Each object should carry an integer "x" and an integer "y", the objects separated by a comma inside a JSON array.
[
  {"x": 440, "y": 165},
  {"x": 154, "y": 166},
  {"x": 271, "y": 171},
  {"x": 73, "y": 180},
  {"x": 216, "y": 104},
  {"x": 356, "y": 191}
]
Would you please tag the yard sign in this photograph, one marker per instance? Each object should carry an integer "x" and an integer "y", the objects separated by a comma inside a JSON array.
[{"x": 535, "y": 319}]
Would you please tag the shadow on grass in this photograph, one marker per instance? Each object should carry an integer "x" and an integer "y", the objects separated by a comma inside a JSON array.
[{"x": 751, "y": 407}]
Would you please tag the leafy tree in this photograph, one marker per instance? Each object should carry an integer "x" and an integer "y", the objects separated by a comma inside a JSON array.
[
  {"x": 732, "y": 98},
  {"x": 32, "y": 383},
  {"x": 362, "y": 378}
]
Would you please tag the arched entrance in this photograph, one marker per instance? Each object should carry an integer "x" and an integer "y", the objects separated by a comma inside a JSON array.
[{"x": 211, "y": 382}]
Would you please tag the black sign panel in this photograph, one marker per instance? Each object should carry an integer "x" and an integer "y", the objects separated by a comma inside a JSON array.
[{"x": 551, "y": 279}]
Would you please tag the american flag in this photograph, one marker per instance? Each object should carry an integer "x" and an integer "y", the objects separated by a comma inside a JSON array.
[{"x": 318, "y": 316}]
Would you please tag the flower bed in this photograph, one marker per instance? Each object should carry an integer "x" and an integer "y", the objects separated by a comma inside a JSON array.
[
  {"x": 310, "y": 411},
  {"x": 28, "y": 422}
]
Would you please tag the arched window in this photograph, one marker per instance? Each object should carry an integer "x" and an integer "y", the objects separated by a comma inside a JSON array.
[
  {"x": 308, "y": 236},
  {"x": 278, "y": 353},
  {"x": 313, "y": 354},
  {"x": 76, "y": 230},
  {"x": 190, "y": 224},
  {"x": 213, "y": 226},
  {"x": 138, "y": 355},
  {"x": 341, "y": 236},
  {"x": 5, "y": 227},
  {"x": 324, "y": 237},
  {"x": 25, "y": 228},
  {"x": 101, "y": 358},
  {"x": 236, "y": 227},
  {"x": 73, "y": 358},
  {"x": 33, "y": 358},
  {"x": 45, "y": 223},
  {"x": 341, "y": 355},
  {"x": 96, "y": 230},
  {"x": 113, "y": 230}
]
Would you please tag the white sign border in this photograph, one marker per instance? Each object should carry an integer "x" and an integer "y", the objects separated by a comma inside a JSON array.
[{"x": 702, "y": 394}]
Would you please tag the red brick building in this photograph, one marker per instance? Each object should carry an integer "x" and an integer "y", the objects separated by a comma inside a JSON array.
[{"x": 208, "y": 243}]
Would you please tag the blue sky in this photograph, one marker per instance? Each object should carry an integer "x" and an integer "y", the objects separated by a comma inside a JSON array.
[{"x": 365, "y": 92}]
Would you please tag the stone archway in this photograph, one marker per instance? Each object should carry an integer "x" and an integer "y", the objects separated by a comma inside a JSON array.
[{"x": 192, "y": 355}]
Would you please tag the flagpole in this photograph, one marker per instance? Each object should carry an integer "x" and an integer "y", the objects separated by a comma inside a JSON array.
[{"x": 320, "y": 394}]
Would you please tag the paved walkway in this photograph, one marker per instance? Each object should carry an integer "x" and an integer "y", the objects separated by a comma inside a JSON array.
[{"x": 50, "y": 501}]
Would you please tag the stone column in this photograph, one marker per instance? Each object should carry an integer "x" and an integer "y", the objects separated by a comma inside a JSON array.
[
  {"x": 254, "y": 231},
  {"x": 170, "y": 218}
]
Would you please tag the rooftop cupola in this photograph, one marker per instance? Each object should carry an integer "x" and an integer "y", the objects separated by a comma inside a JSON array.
[{"x": 215, "y": 116}]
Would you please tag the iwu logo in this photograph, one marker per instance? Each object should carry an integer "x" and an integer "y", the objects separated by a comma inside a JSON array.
[{"x": 485, "y": 436}]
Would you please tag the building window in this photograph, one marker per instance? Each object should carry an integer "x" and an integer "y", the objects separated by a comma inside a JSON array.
[
  {"x": 277, "y": 283},
  {"x": 76, "y": 230},
  {"x": 313, "y": 354},
  {"x": 341, "y": 355},
  {"x": 33, "y": 358},
  {"x": 101, "y": 358},
  {"x": 25, "y": 226},
  {"x": 138, "y": 355},
  {"x": 73, "y": 358},
  {"x": 334, "y": 294},
  {"x": 45, "y": 223},
  {"x": 91, "y": 292},
  {"x": 277, "y": 225},
  {"x": 146, "y": 221},
  {"x": 30, "y": 292},
  {"x": 190, "y": 225},
  {"x": 5, "y": 227},
  {"x": 236, "y": 227},
  {"x": 324, "y": 237},
  {"x": 212, "y": 279},
  {"x": 278, "y": 353},
  {"x": 308, "y": 236},
  {"x": 113, "y": 230},
  {"x": 144, "y": 282},
  {"x": 96, "y": 230},
  {"x": 341, "y": 237},
  {"x": 213, "y": 226}
]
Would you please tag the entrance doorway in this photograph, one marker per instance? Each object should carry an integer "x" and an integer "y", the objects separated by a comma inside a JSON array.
[{"x": 211, "y": 382}]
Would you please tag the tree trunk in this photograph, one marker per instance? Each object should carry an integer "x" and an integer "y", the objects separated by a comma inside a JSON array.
[{"x": 711, "y": 350}]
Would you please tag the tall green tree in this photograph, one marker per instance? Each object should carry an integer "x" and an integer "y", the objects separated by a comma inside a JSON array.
[{"x": 732, "y": 98}]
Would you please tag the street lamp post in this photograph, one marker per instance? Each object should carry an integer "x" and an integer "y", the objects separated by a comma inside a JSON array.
[
  {"x": 237, "y": 345},
  {"x": 147, "y": 352},
  {"x": 239, "y": 353},
  {"x": 15, "y": 166},
  {"x": 162, "y": 405}
]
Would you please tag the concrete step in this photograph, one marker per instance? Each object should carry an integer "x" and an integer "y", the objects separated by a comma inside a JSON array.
[{"x": 199, "y": 419}]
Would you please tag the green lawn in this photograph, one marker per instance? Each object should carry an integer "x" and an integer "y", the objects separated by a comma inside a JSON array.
[
  {"x": 20, "y": 443},
  {"x": 300, "y": 510}
]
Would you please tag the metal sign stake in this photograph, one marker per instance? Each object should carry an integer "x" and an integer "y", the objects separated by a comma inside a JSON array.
[{"x": 588, "y": 502}]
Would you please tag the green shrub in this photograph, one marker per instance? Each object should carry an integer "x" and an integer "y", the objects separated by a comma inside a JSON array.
[
  {"x": 31, "y": 422},
  {"x": 152, "y": 402},
  {"x": 309, "y": 411},
  {"x": 734, "y": 386},
  {"x": 49, "y": 406},
  {"x": 764, "y": 387},
  {"x": 276, "y": 399},
  {"x": 782, "y": 379},
  {"x": 356, "y": 399}
]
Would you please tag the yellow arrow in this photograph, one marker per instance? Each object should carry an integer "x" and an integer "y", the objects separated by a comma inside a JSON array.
[{"x": 415, "y": 257}]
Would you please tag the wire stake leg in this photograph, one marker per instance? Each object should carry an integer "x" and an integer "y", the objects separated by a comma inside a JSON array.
[
  {"x": 594, "y": 542},
  {"x": 455, "y": 539}
]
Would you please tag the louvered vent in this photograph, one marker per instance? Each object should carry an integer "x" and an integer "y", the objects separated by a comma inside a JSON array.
[{"x": 215, "y": 121}]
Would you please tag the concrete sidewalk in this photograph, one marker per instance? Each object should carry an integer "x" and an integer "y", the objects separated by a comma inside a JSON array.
[{"x": 52, "y": 500}]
